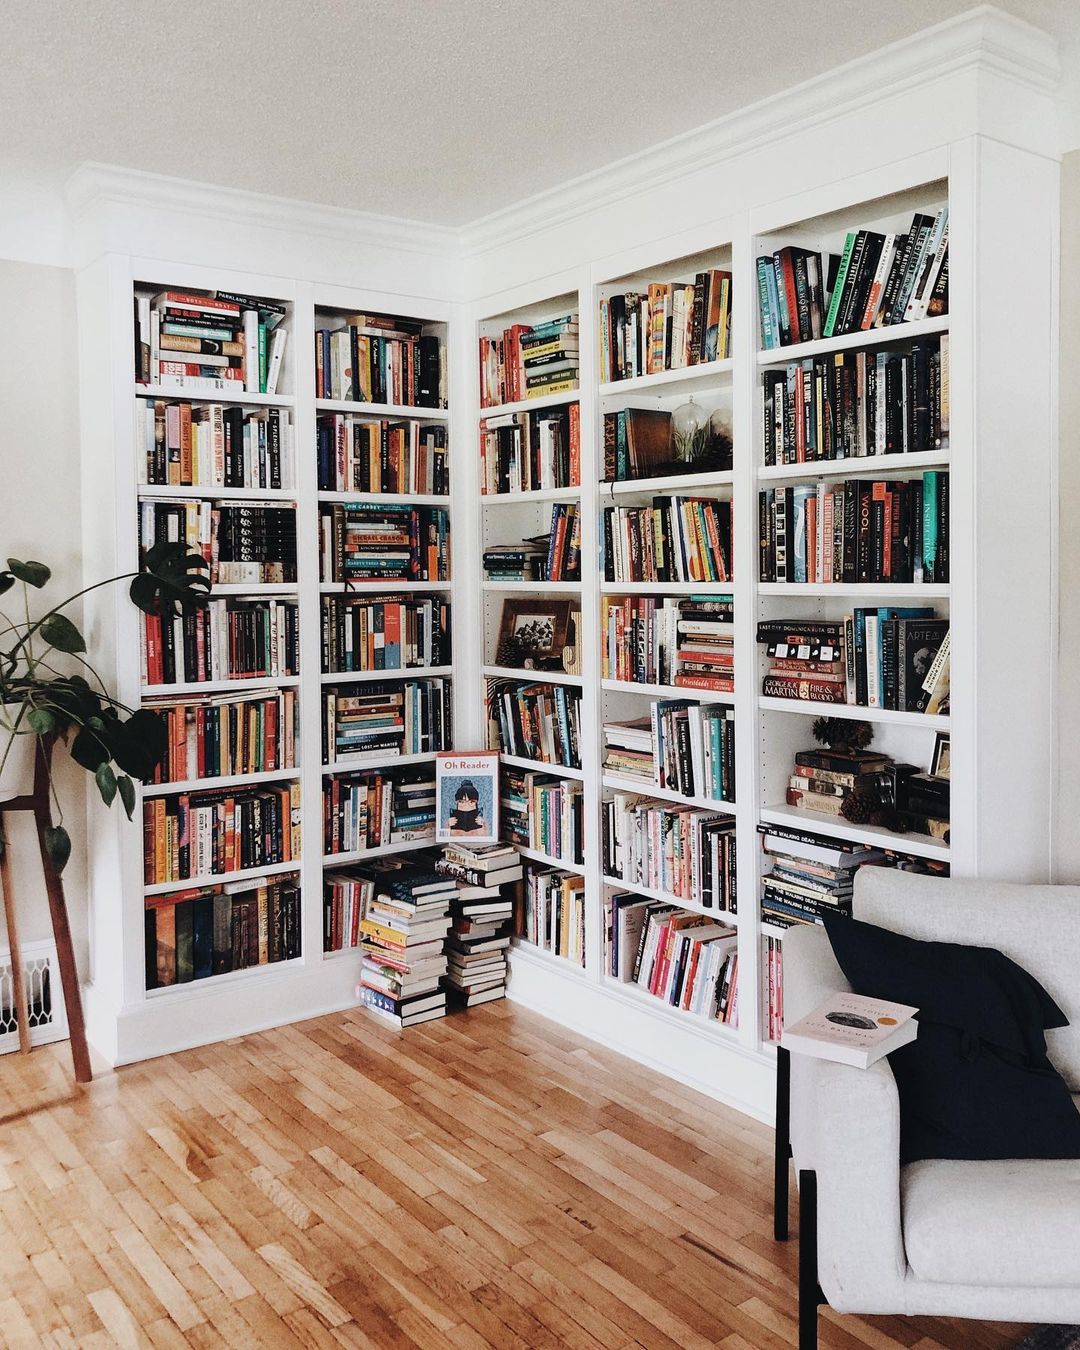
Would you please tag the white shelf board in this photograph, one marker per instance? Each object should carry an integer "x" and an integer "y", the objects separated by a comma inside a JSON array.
[
  {"x": 224, "y": 781},
  {"x": 695, "y": 906},
  {"x": 388, "y": 498},
  {"x": 709, "y": 588},
  {"x": 767, "y": 929},
  {"x": 170, "y": 491},
  {"x": 694, "y": 483},
  {"x": 855, "y": 712},
  {"x": 531, "y": 404},
  {"x": 212, "y": 983},
  {"x": 381, "y": 586},
  {"x": 397, "y": 673},
  {"x": 907, "y": 589},
  {"x": 669, "y": 381},
  {"x": 181, "y": 691},
  {"x": 537, "y": 766},
  {"x": 865, "y": 466},
  {"x": 919, "y": 845},
  {"x": 522, "y": 947},
  {"x": 667, "y": 691},
  {"x": 383, "y": 760},
  {"x": 253, "y": 400},
  {"x": 376, "y": 851},
  {"x": 536, "y": 587},
  {"x": 381, "y": 410},
  {"x": 530, "y": 676},
  {"x": 633, "y": 993},
  {"x": 222, "y": 878},
  {"x": 866, "y": 338},
  {"x": 560, "y": 494},
  {"x": 617, "y": 783},
  {"x": 255, "y": 588},
  {"x": 539, "y": 856}
]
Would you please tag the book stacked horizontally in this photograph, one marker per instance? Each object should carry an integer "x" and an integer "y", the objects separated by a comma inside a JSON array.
[
  {"x": 402, "y": 934},
  {"x": 202, "y": 342},
  {"x": 811, "y": 876},
  {"x": 529, "y": 361},
  {"x": 824, "y": 779},
  {"x": 482, "y": 910}
]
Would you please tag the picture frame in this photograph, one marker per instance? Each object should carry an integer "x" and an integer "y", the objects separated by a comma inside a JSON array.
[
  {"x": 541, "y": 626},
  {"x": 940, "y": 764},
  {"x": 467, "y": 796}
]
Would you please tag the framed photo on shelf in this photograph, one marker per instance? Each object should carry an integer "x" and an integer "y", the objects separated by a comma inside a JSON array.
[
  {"x": 467, "y": 796},
  {"x": 534, "y": 632},
  {"x": 939, "y": 765}
]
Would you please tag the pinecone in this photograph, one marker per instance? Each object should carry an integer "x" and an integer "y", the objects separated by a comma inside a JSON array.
[
  {"x": 512, "y": 653},
  {"x": 859, "y": 807},
  {"x": 842, "y": 733}
]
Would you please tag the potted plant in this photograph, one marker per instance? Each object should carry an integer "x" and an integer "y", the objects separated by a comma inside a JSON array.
[{"x": 50, "y": 692}]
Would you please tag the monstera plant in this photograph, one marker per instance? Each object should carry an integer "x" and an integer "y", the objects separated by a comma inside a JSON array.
[{"x": 50, "y": 692}]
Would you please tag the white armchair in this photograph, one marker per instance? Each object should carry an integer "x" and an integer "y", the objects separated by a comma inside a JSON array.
[{"x": 991, "y": 1240}]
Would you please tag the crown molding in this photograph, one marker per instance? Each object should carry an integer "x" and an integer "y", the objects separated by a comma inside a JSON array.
[
  {"x": 93, "y": 186},
  {"x": 983, "y": 39}
]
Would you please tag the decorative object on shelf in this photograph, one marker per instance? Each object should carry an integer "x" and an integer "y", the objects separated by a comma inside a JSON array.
[
  {"x": 571, "y": 652},
  {"x": 689, "y": 431},
  {"x": 41, "y": 704},
  {"x": 941, "y": 762},
  {"x": 720, "y": 444},
  {"x": 841, "y": 733},
  {"x": 536, "y": 631}
]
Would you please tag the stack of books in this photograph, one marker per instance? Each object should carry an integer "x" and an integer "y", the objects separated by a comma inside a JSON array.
[
  {"x": 555, "y": 556},
  {"x": 879, "y": 279},
  {"x": 244, "y": 544},
  {"x": 405, "y": 922},
  {"x": 482, "y": 910},
  {"x": 385, "y": 632},
  {"x": 222, "y": 640},
  {"x": 551, "y": 914},
  {"x": 208, "y": 341},
  {"x": 357, "y": 454},
  {"x": 681, "y": 746},
  {"x": 366, "y": 541},
  {"x": 529, "y": 361},
  {"x": 223, "y": 734},
  {"x": 366, "y": 810},
  {"x": 674, "y": 539},
  {"x": 376, "y": 720},
  {"x": 856, "y": 531},
  {"x": 380, "y": 358},
  {"x": 684, "y": 960},
  {"x": 824, "y": 779},
  {"x": 185, "y": 445},
  {"x": 666, "y": 327},
  {"x": 526, "y": 452},
  {"x": 686, "y": 852}
]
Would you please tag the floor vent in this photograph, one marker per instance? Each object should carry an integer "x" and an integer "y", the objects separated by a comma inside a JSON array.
[{"x": 44, "y": 997}]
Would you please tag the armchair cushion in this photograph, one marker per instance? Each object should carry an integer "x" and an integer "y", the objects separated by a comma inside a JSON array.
[
  {"x": 993, "y": 1224},
  {"x": 977, "y": 1083}
]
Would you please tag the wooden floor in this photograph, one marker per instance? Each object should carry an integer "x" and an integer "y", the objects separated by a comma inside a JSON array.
[{"x": 484, "y": 1180}]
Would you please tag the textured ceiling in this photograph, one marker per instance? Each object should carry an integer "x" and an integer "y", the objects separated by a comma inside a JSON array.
[{"x": 439, "y": 110}]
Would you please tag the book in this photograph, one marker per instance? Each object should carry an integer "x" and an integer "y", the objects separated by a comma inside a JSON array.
[
  {"x": 380, "y": 719},
  {"x": 384, "y": 632},
  {"x": 675, "y": 538},
  {"x": 364, "y": 809},
  {"x": 243, "y": 543},
  {"x": 852, "y": 1029},
  {"x": 530, "y": 451},
  {"x": 379, "y": 358},
  {"x": 181, "y": 443},
  {"x": 528, "y": 360},
  {"x": 360, "y": 453},
  {"x": 225, "y": 734},
  {"x": 202, "y": 342},
  {"x": 666, "y": 325},
  {"x": 216, "y": 831},
  {"x": 543, "y": 812},
  {"x": 686, "y": 852},
  {"x": 368, "y": 542},
  {"x": 224, "y": 639},
  {"x": 540, "y": 722}
]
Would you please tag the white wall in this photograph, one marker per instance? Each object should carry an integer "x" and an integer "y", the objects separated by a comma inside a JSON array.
[{"x": 40, "y": 518}]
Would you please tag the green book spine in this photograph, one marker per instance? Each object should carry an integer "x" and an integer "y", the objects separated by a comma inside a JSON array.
[
  {"x": 262, "y": 358},
  {"x": 838, "y": 289},
  {"x": 930, "y": 524},
  {"x": 185, "y": 941}
]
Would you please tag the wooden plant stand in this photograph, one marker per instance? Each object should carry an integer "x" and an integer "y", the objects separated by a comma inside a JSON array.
[{"x": 38, "y": 803}]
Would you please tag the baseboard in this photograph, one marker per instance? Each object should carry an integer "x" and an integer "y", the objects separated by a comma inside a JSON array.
[{"x": 738, "y": 1077}]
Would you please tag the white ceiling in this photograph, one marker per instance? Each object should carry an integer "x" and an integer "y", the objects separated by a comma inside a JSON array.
[{"x": 438, "y": 110}]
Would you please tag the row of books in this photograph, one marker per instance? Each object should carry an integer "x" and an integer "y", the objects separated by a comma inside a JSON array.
[
  {"x": 543, "y": 812},
  {"x": 244, "y": 544},
  {"x": 555, "y": 556},
  {"x": 878, "y": 280},
  {"x": 367, "y": 541},
  {"x": 483, "y": 919},
  {"x": 681, "y": 746},
  {"x": 686, "y": 961},
  {"x": 530, "y": 451},
  {"x": 227, "y": 639},
  {"x": 369, "y": 809},
  {"x": 380, "y": 358},
  {"x": 686, "y": 852},
  {"x": 772, "y": 986},
  {"x": 205, "y": 341},
  {"x": 195, "y": 834},
  {"x": 223, "y": 734},
  {"x": 551, "y": 913},
  {"x": 673, "y": 539},
  {"x": 380, "y": 720},
  {"x": 529, "y": 361},
  {"x": 874, "y": 658},
  {"x": 856, "y": 531},
  {"x": 669, "y": 641},
  {"x": 359, "y": 454},
  {"x": 535, "y": 721},
  {"x": 853, "y": 404},
  {"x": 667, "y": 326},
  {"x": 384, "y": 632},
  {"x": 193, "y": 935},
  {"x": 211, "y": 445}
]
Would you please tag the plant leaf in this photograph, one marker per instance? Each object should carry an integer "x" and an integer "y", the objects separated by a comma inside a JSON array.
[
  {"x": 41, "y": 721},
  {"x": 172, "y": 578},
  {"x": 139, "y": 744},
  {"x": 61, "y": 633},
  {"x": 89, "y": 750},
  {"x": 106, "y": 781},
  {"x": 127, "y": 794},
  {"x": 58, "y": 847},
  {"x": 6, "y": 582},
  {"x": 33, "y": 573}
]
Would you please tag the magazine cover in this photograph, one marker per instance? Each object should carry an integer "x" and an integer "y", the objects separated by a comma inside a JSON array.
[{"x": 467, "y": 797}]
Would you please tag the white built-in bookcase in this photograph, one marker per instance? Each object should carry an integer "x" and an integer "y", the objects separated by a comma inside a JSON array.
[{"x": 963, "y": 113}]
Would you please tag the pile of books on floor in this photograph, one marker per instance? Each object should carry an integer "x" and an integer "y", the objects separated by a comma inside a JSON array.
[
  {"x": 482, "y": 908},
  {"x": 406, "y": 920}
]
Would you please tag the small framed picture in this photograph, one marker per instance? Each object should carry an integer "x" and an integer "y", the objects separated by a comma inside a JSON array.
[
  {"x": 939, "y": 765},
  {"x": 537, "y": 629},
  {"x": 467, "y": 796}
]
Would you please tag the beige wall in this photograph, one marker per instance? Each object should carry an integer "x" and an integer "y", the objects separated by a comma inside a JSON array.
[{"x": 40, "y": 518}]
